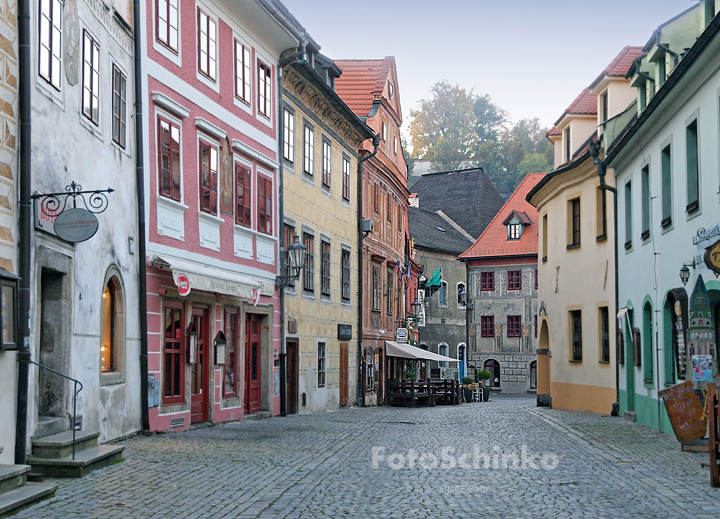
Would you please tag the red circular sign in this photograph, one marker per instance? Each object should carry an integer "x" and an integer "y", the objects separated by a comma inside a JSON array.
[{"x": 183, "y": 284}]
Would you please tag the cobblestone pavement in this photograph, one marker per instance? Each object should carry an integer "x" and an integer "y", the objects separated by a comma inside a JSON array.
[{"x": 322, "y": 466}]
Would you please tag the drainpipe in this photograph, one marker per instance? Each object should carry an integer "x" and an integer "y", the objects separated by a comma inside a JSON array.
[
  {"x": 361, "y": 237},
  {"x": 140, "y": 181},
  {"x": 24, "y": 228},
  {"x": 601, "y": 171}
]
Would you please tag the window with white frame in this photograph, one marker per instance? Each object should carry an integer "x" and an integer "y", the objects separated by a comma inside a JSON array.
[
  {"x": 327, "y": 163},
  {"x": 346, "y": 179},
  {"x": 264, "y": 90},
  {"x": 321, "y": 363},
  {"x": 119, "y": 106},
  {"x": 243, "y": 72},
  {"x": 169, "y": 158},
  {"x": 345, "y": 274},
  {"x": 50, "y": 61},
  {"x": 288, "y": 135},
  {"x": 166, "y": 23},
  {"x": 308, "y": 150},
  {"x": 91, "y": 78},
  {"x": 207, "y": 45}
]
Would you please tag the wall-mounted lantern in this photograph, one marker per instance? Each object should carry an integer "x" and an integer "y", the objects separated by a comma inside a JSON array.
[
  {"x": 220, "y": 347},
  {"x": 191, "y": 335},
  {"x": 8, "y": 312},
  {"x": 295, "y": 262}
]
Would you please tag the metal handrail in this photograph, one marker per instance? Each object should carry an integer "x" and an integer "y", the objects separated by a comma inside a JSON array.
[{"x": 75, "y": 394}]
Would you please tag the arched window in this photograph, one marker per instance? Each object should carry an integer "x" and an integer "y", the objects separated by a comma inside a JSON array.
[
  {"x": 113, "y": 324},
  {"x": 493, "y": 367},
  {"x": 460, "y": 291},
  {"x": 442, "y": 294},
  {"x": 533, "y": 375},
  {"x": 442, "y": 350}
]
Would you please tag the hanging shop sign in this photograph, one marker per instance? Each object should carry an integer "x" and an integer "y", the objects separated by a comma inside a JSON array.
[
  {"x": 421, "y": 311},
  {"x": 706, "y": 233},
  {"x": 401, "y": 335},
  {"x": 183, "y": 284},
  {"x": 70, "y": 215},
  {"x": 712, "y": 257}
]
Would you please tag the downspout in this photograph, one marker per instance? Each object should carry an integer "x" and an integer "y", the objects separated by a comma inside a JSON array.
[
  {"x": 361, "y": 237},
  {"x": 281, "y": 222},
  {"x": 24, "y": 229},
  {"x": 601, "y": 171},
  {"x": 140, "y": 181}
]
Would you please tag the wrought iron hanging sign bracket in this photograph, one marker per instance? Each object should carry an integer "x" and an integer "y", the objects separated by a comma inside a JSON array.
[{"x": 71, "y": 214}]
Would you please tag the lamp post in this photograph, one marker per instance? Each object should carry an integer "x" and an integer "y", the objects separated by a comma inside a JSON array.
[
  {"x": 295, "y": 261},
  {"x": 469, "y": 307}
]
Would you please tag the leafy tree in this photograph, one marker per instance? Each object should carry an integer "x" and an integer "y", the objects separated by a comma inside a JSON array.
[
  {"x": 531, "y": 135},
  {"x": 491, "y": 120},
  {"x": 534, "y": 163},
  {"x": 409, "y": 160}
]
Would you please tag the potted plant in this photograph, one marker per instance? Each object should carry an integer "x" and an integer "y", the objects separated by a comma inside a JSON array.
[
  {"x": 467, "y": 389},
  {"x": 483, "y": 376}
]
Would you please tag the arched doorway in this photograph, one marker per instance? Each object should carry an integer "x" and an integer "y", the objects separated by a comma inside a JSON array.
[
  {"x": 462, "y": 360},
  {"x": 493, "y": 367},
  {"x": 544, "y": 398}
]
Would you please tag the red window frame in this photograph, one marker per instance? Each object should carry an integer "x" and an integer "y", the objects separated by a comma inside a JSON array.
[
  {"x": 265, "y": 209},
  {"x": 346, "y": 179},
  {"x": 169, "y": 159},
  {"x": 327, "y": 163},
  {"x": 169, "y": 7},
  {"x": 230, "y": 369},
  {"x": 243, "y": 73},
  {"x": 264, "y": 90},
  {"x": 243, "y": 195},
  {"x": 173, "y": 353},
  {"x": 487, "y": 326},
  {"x": 207, "y": 35},
  {"x": 513, "y": 326},
  {"x": 514, "y": 280},
  {"x": 487, "y": 281},
  {"x": 208, "y": 177}
]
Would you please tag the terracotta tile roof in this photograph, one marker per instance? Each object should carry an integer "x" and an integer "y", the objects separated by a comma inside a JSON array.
[
  {"x": 361, "y": 81},
  {"x": 493, "y": 242},
  {"x": 585, "y": 103},
  {"x": 552, "y": 132},
  {"x": 619, "y": 66}
]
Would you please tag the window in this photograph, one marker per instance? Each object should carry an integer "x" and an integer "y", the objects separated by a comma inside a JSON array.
[
  {"x": 326, "y": 163},
  {"x": 514, "y": 231},
  {"x": 395, "y": 146},
  {"x": 604, "y": 334},
  {"x": 208, "y": 177},
  {"x": 169, "y": 159},
  {"x": 693, "y": 197},
  {"x": 91, "y": 79},
  {"x": 493, "y": 367},
  {"x": 536, "y": 279},
  {"x": 388, "y": 207},
  {"x": 166, "y": 23},
  {"x": 370, "y": 371},
  {"x": 289, "y": 238},
  {"x": 574, "y": 210},
  {"x": 442, "y": 294},
  {"x": 309, "y": 267},
  {"x": 309, "y": 151},
  {"x": 324, "y": 268},
  {"x": 460, "y": 290},
  {"x": 535, "y": 325},
  {"x": 628, "y": 215},
  {"x": 642, "y": 92},
  {"x": 666, "y": 167},
  {"x": 112, "y": 327},
  {"x": 207, "y": 49},
  {"x": 442, "y": 350},
  {"x": 264, "y": 90},
  {"x": 384, "y": 131},
  {"x": 533, "y": 375},
  {"x": 647, "y": 344},
  {"x": 345, "y": 273},
  {"x": 321, "y": 364},
  {"x": 604, "y": 107},
  {"x": 376, "y": 291},
  {"x": 231, "y": 353},
  {"x": 389, "y": 287},
  {"x": 487, "y": 281},
  {"x": 544, "y": 237},
  {"x": 376, "y": 198},
  {"x": 244, "y": 195},
  {"x": 576, "y": 335},
  {"x": 568, "y": 155},
  {"x": 487, "y": 326},
  {"x": 173, "y": 362},
  {"x": 645, "y": 190},
  {"x": 601, "y": 213},
  {"x": 513, "y": 326},
  {"x": 119, "y": 107},
  {"x": 514, "y": 280},
  {"x": 243, "y": 74},
  {"x": 265, "y": 207},
  {"x": 391, "y": 90},
  {"x": 346, "y": 179},
  {"x": 289, "y": 136},
  {"x": 51, "y": 42}
]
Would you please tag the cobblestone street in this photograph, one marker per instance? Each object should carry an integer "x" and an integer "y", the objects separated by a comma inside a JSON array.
[{"x": 322, "y": 466}]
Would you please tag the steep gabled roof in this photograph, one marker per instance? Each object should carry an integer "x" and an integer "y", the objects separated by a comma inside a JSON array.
[
  {"x": 584, "y": 104},
  {"x": 467, "y": 196},
  {"x": 432, "y": 231},
  {"x": 619, "y": 66},
  {"x": 552, "y": 132},
  {"x": 494, "y": 243},
  {"x": 361, "y": 81}
]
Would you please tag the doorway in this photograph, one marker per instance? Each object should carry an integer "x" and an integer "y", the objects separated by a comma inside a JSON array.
[
  {"x": 343, "y": 374},
  {"x": 199, "y": 376},
  {"x": 253, "y": 363},
  {"x": 54, "y": 343},
  {"x": 292, "y": 375}
]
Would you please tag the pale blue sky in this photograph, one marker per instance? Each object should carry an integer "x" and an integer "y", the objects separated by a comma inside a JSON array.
[{"x": 533, "y": 57}]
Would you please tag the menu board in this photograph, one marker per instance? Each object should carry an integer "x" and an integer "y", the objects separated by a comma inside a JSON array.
[{"x": 685, "y": 412}]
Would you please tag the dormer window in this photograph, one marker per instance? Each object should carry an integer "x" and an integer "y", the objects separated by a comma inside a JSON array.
[
  {"x": 514, "y": 231},
  {"x": 515, "y": 223},
  {"x": 566, "y": 138},
  {"x": 604, "y": 107}
]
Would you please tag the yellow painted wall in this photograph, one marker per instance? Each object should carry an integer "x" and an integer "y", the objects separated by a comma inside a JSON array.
[{"x": 581, "y": 397}]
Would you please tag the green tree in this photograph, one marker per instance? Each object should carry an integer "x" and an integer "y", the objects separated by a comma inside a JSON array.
[
  {"x": 409, "y": 160},
  {"x": 533, "y": 163},
  {"x": 491, "y": 120}
]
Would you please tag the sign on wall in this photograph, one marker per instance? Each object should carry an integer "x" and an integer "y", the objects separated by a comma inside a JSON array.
[
  {"x": 702, "y": 368},
  {"x": 421, "y": 311},
  {"x": 401, "y": 335},
  {"x": 344, "y": 332}
]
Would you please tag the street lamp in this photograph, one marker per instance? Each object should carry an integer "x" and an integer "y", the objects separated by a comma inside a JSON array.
[
  {"x": 296, "y": 261},
  {"x": 684, "y": 274},
  {"x": 416, "y": 307}
]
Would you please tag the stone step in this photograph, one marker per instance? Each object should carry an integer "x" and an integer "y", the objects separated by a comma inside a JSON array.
[
  {"x": 49, "y": 425},
  {"x": 23, "y": 496},
  {"x": 85, "y": 462},
  {"x": 12, "y": 476},
  {"x": 60, "y": 445},
  {"x": 262, "y": 415}
]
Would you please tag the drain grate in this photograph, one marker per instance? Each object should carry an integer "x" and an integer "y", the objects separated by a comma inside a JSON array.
[{"x": 177, "y": 422}]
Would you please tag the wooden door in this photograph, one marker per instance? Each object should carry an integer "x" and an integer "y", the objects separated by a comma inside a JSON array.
[
  {"x": 253, "y": 363},
  {"x": 199, "y": 373},
  {"x": 343, "y": 374},
  {"x": 292, "y": 376}
]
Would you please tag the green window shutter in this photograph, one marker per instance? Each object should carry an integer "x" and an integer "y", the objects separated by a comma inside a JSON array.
[{"x": 692, "y": 164}]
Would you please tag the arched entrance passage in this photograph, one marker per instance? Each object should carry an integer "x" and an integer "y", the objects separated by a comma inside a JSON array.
[{"x": 544, "y": 398}]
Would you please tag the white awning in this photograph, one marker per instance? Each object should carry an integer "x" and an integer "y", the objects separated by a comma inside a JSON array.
[
  {"x": 210, "y": 279},
  {"x": 396, "y": 349}
]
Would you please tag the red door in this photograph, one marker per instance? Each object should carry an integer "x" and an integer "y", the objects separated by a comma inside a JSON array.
[
  {"x": 253, "y": 362},
  {"x": 199, "y": 389}
]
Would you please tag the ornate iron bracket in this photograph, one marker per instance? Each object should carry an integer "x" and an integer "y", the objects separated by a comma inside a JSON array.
[{"x": 52, "y": 204}]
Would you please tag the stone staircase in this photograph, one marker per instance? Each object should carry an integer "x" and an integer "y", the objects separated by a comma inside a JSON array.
[
  {"x": 52, "y": 455},
  {"x": 15, "y": 490}
]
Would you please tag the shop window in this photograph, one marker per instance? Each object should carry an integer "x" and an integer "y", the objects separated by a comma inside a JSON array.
[
  {"x": 230, "y": 374},
  {"x": 173, "y": 358},
  {"x": 113, "y": 314},
  {"x": 493, "y": 367}
]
